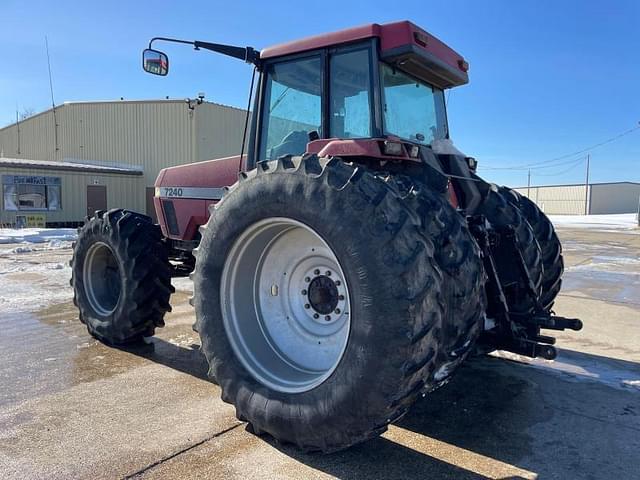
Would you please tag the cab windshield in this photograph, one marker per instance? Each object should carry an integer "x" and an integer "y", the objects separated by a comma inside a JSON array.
[{"x": 412, "y": 109}]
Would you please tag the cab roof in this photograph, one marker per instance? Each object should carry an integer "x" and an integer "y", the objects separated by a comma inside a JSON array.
[{"x": 402, "y": 42}]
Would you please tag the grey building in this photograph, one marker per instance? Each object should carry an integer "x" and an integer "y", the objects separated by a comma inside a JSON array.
[
  {"x": 581, "y": 199},
  {"x": 62, "y": 163}
]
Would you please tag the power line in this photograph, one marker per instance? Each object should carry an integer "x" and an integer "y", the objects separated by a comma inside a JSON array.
[
  {"x": 572, "y": 167},
  {"x": 568, "y": 155},
  {"x": 558, "y": 164}
]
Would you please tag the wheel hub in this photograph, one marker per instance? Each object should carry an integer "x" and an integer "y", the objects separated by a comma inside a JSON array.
[
  {"x": 102, "y": 279},
  {"x": 323, "y": 295},
  {"x": 291, "y": 331}
]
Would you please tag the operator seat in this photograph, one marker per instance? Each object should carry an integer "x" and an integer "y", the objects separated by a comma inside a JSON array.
[{"x": 294, "y": 143}]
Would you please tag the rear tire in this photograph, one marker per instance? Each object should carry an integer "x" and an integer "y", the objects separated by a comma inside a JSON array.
[
  {"x": 397, "y": 341},
  {"x": 503, "y": 214},
  {"x": 121, "y": 276},
  {"x": 458, "y": 256},
  {"x": 550, "y": 245}
]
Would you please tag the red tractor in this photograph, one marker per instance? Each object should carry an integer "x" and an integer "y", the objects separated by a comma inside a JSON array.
[{"x": 345, "y": 264}]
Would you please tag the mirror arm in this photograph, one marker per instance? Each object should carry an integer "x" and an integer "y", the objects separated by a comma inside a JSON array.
[{"x": 247, "y": 54}]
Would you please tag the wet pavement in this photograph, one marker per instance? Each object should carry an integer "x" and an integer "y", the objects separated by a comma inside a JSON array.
[{"x": 71, "y": 407}]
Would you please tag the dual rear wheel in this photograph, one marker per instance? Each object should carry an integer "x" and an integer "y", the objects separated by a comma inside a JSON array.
[{"x": 325, "y": 302}]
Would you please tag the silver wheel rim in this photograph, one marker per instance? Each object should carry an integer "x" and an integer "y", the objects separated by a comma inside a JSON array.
[
  {"x": 285, "y": 305},
  {"x": 101, "y": 278}
]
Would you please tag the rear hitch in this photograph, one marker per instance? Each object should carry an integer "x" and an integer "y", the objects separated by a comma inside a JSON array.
[
  {"x": 553, "y": 322},
  {"x": 517, "y": 333}
]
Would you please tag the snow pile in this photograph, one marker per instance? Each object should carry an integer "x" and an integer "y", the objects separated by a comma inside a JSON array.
[
  {"x": 182, "y": 284},
  {"x": 53, "y": 236},
  {"x": 627, "y": 222},
  {"x": 31, "y": 283},
  {"x": 34, "y": 270}
]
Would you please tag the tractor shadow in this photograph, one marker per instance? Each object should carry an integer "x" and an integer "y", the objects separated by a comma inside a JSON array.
[
  {"x": 502, "y": 419},
  {"x": 495, "y": 419},
  {"x": 434, "y": 438},
  {"x": 189, "y": 360}
]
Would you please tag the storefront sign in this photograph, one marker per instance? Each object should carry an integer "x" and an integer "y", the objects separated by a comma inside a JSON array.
[{"x": 29, "y": 180}]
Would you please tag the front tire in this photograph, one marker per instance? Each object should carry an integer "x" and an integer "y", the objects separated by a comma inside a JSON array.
[
  {"x": 394, "y": 346},
  {"x": 121, "y": 276}
]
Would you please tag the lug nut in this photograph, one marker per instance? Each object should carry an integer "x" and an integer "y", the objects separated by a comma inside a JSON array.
[
  {"x": 307, "y": 279},
  {"x": 306, "y": 305},
  {"x": 338, "y": 283},
  {"x": 328, "y": 273},
  {"x": 337, "y": 310},
  {"x": 327, "y": 318},
  {"x": 340, "y": 297},
  {"x": 315, "y": 315},
  {"x": 316, "y": 272},
  {"x": 304, "y": 292}
]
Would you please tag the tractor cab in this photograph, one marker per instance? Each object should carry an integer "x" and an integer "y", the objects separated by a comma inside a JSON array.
[
  {"x": 375, "y": 82},
  {"x": 371, "y": 82}
]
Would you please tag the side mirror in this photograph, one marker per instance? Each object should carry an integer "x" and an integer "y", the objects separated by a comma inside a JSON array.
[{"x": 155, "y": 62}]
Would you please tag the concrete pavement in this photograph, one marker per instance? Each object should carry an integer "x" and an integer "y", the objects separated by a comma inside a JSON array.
[{"x": 72, "y": 408}]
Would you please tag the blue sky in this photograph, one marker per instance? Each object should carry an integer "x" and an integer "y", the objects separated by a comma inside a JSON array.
[{"x": 547, "y": 77}]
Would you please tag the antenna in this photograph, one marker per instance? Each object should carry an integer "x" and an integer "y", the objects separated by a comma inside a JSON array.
[
  {"x": 18, "y": 128},
  {"x": 53, "y": 103}
]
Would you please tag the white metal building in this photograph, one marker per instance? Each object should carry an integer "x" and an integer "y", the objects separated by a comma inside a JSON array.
[
  {"x": 596, "y": 198},
  {"x": 83, "y": 156}
]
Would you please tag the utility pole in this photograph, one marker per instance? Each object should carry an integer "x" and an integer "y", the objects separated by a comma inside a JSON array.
[
  {"x": 586, "y": 187},
  {"x": 529, "y": 184}
]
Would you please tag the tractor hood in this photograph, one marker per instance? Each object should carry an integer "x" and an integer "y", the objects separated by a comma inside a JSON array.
[
  {"x": 220, "y": 172},
  {"x": 183, "y": 194}
]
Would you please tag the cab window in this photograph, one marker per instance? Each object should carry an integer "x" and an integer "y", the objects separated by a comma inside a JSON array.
[
  {"x": 412, "y": 109},
  {"x": 350, "y": 93},
  {"x": 292, "y": 107}
]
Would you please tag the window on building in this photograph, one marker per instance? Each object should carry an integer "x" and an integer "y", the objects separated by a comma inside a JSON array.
[{"x": 25, "y": 192}]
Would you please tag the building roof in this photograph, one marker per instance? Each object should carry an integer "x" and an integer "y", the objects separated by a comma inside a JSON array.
[
  {"x": 117, "y": 102},
  {"x": 66, "y": 166},
  {"x": 575, "y": 185}
]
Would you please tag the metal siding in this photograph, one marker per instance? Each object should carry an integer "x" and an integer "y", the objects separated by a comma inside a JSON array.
[
  {"x": 123, "y": 191},
  {"x": 37, "y": 137},
  {"x": 567, "y": 200},
  {"x": 219, "y": 131},
  {"x": 150, "y": 134},
  {"x": 615, "y": 198}
]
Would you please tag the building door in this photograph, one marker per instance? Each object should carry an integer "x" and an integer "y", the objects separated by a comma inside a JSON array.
[
  {"x": 96, "y": 198},
  {"x": 151, "y": 209}
]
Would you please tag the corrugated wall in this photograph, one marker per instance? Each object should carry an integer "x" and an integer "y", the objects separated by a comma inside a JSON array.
[
  {"x": 149, "y": 134},
  {"x": 122, "y": 191},
  {"x": 219, "y": 131},
  {"x": 561, "y": 200},
  {"x": 603, "y": 198},
  {"x": 615, "y": 198},
  {"x": 37, "y": 137}
]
